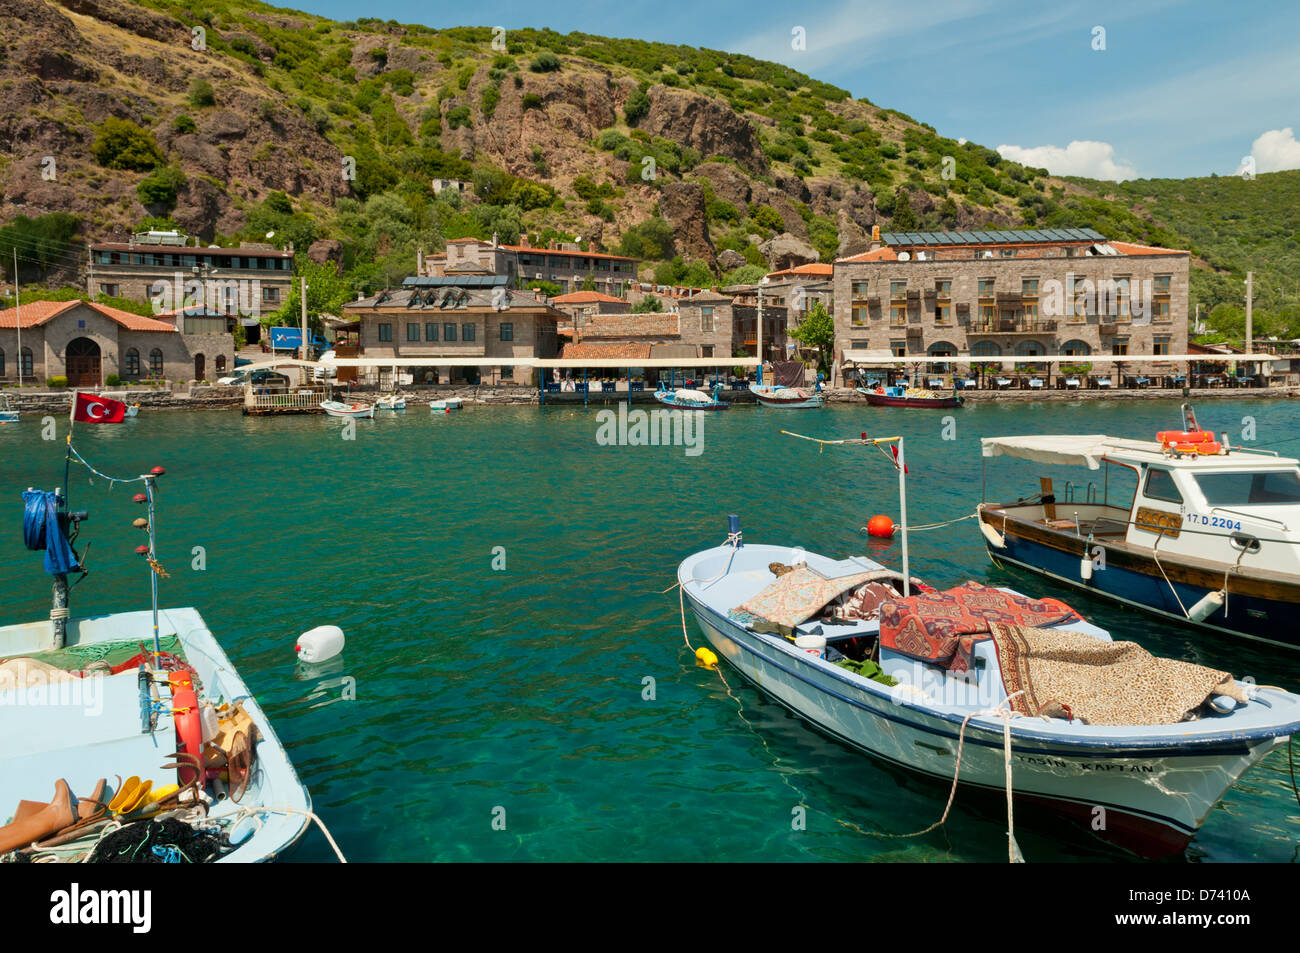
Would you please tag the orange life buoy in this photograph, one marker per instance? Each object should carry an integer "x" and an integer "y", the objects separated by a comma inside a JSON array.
[
  {"x": 1167, "y": 437},
  {"x": 189, "y": 728}
]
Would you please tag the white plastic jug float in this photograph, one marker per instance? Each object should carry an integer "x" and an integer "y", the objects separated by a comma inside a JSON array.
[{"x": 318, "y": 644}]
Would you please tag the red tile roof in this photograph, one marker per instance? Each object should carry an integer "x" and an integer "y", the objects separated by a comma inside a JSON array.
[
  {"x": 611, "y": 350},
  {"x": 571, "y": 254},
  {"x": 40, "y": 312},
  {"x": 586, "y": 297},
  {"x": 880, "y": 254},
  {"x": 645, "y": 324},
  {"x": 813, "y": 268},
  {"x": 1128, "y": 248}
]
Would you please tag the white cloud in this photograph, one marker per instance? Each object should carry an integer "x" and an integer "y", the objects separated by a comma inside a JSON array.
[
  {"x": 1095, "y": 160},
  {"x": 1276, "y": 151}
]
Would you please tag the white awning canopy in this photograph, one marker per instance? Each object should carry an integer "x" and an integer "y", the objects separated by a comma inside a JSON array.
[
  {"x": 1076, "y": 450},
  {"x": 871, "y": 356}
]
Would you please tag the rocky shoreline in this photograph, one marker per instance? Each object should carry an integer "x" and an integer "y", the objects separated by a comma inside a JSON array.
[{"x": 215, "y": 396}]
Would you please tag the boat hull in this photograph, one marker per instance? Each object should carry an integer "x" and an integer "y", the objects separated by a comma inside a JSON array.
[
  {"x": 1264, "y": 612},
  {"x": 668, "y": 400},
  {"x": 365, "y": 411},
  {"x": 768, "y": 399},
  {"x": 94, "y": 730},
  {"x": 1149, "y": 801},
  {"x": 884, "y": 400}
]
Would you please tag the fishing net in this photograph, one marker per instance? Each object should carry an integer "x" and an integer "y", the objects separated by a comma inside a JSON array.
[{"x": 168, "y": 841}]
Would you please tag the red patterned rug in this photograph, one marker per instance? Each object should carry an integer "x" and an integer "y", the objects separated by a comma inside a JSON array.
[{"x": 943, "y": 627}]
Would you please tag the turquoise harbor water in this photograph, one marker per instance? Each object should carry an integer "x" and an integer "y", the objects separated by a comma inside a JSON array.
[{"x": 521, "y": 689}]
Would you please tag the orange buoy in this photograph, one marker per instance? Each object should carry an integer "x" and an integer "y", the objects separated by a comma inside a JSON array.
[{"x": 880, "y": 526}]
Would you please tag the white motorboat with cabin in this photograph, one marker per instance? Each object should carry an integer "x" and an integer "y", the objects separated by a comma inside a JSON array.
[{"x": 1208, "y": 537}]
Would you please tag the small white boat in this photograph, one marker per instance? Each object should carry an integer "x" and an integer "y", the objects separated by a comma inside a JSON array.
[
  {"x": 1096, "y": 729},
  {"x": 338, "y": 409},
  {"x": 788, "y": 398},
  {"x": 8, "y": 414},
  {"x": 133, "y": 410},
  {"x": 689, "y": 399},
  {"x": 442, "y": 406},
  {"x": 391, "y": 402}
]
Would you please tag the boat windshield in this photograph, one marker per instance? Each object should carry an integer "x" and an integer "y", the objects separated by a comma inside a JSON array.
[{"x": 1270, "y": 487}]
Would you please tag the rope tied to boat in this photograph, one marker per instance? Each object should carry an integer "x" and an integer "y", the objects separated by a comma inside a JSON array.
[{"x": 1004, "y": 711}]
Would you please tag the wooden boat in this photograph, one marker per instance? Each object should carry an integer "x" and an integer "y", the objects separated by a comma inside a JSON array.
[
  {"x": 105, "y": 700},
  {"x": 879, "y": 681},
  {"x": 338, "y": 409},
  {"x": 8, "y": 413},
  {"x": 788, "y": 398},
  {"x": 443, "y": 406},
  {"x": 909, "y": 397},
  {"x": 1206, "y": 539},
  {"x": 391, "y": 402},
  {"x": 688, "y": 399}
]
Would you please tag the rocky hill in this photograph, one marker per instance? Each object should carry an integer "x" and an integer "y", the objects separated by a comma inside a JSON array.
[{"x": 231, "y": 118}]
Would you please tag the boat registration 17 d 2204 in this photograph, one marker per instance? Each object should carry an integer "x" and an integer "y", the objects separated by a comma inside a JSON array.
[{"x": 1222, "y": 522}]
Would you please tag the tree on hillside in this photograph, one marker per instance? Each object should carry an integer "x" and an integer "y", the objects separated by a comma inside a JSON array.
[
  {"x": 817, "y": 329},
  {"x": 904, "y": 219}
]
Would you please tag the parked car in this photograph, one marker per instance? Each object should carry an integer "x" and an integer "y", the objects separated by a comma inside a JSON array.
[
  {"x": 323, "y": 373},
  {"x": 259, "y": 378}
]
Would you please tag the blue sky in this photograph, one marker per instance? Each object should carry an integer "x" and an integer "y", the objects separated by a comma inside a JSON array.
[{"x": 1182, "y": 87}]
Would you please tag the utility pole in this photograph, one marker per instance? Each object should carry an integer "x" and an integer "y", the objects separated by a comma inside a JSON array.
[
  {"x": 18, "y": 318},
  {"x": 303, "y": 297},
  {"x": 1250, "y": 287}
]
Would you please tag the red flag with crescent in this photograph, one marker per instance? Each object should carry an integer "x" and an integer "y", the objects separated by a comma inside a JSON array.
[{"x": 93, "y": 409}]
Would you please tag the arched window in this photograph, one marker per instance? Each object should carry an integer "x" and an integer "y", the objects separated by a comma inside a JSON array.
[
  {"x": 1076, "y": 348},
  {"x": 985, "y": 349},
  {"x": 941, "y": 349},
  {"x": 132, "y": 362},
  {"x": 221, "y": 363},
  {"x": 25, "y": 363},
  {"x": 155, "y": 363},
  {"x": 1029, "y": 349}
]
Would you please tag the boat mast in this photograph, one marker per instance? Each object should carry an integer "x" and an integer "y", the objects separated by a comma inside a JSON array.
[
  {"x": 902, "y": 515},
  {"x": 153, "y": 564},
  {"x": 760, "y": 331}
]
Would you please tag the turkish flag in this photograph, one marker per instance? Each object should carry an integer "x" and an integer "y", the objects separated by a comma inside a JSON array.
[
  {"x": 893, "y": 448},
  {"x": 90, "y": 409}
]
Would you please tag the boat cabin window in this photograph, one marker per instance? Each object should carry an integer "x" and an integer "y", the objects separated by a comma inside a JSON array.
[
  {"x": 1247, "y": 489},
  {"x": 1160, "y": 486}
]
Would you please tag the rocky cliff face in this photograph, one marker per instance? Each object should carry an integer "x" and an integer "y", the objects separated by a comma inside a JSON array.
[{"x": 68, "y": 65}]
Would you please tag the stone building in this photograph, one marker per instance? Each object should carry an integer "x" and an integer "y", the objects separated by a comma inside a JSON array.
[
  {"x": 583, "y": 305},
  {"x": 467, "y": 318},
  {"x": 983, "y": 294},
  {"x": 251, "y": 280},
  {"x": 87, "y": 342},
  {"x": 562, "y": 264}
]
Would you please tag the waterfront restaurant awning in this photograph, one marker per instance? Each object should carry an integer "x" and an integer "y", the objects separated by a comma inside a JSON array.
[
  {"x": 880, "y": 359},
  {"x": 872, "y": 356},
  {"x": 1061, "y": 449}
]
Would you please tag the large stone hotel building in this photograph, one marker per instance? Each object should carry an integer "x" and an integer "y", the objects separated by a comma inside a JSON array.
[{"x": 1001, "y": 294}]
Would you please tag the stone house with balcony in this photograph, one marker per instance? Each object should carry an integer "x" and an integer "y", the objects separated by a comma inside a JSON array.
[
  {"x": 563, "y": 264},
  {"x": 1001, "y": 294},
  {"x": 471, "y": 319},
  {"x": 250, "y": 280}
]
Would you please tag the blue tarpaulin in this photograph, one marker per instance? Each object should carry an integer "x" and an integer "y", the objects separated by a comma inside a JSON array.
[{"x": 41, "y": 530}]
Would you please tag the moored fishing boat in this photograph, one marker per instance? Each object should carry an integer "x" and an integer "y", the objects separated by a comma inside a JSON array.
[
  {"x": 1208, "y": 536},
  {"x": 445, "y": 406},
  {"x": 391, "y": 402},
  {"x": 339, "y": 409},
  {"x": 91, "y": 707},
  {"x": 689, "y": 399},
  {"x": 987, "y": 688},
  {"x": 8, "y": 413},
  {"x": 787, "y": 398},
  {"x": 898, "y": 396}
]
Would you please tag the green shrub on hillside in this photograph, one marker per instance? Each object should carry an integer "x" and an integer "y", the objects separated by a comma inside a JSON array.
[
  {"x": 121, "y": 144},
  {"x": 161, "y": 187},
  {"x": 545, "y": 62},
  {"x": 202, "y": 94}
]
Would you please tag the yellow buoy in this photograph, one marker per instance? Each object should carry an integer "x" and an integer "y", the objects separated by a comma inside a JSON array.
[{"x": 706, "y": 657}]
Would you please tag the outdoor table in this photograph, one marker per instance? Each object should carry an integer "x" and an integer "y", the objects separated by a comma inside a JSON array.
[
  {"x": 1142, "y": 381},
  {"x": 1213, "y": 381},
  {"x": 1003, "y": 383},
  {"x": 968, "y": 384},
  {"x": 936, "y": 382},
  {"x": 1103, "y": 382},
  {"x": 1035, "y": 383},
  {"x": 638, "y": 385},
  {"x": 1072, "y": 383}
]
